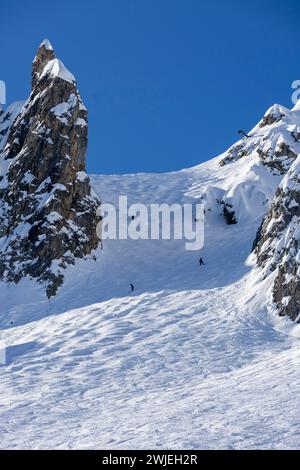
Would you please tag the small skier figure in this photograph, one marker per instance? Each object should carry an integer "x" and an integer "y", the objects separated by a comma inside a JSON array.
[
  {"x": 246, "y": 136},
  {"x": 131, "y": 287},
  {"x": 201, "y": 262}
]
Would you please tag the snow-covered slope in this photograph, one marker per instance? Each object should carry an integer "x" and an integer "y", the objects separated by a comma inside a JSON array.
[
  {"x": 191, "y": 359},
  {"x": 256, "y": 164}
]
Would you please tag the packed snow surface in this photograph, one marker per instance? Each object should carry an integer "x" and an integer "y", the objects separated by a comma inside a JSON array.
[{"x": 190, "y": 359}]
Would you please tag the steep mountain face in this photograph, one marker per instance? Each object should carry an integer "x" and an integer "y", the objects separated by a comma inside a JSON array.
[
  {"x": 278, "y": 248},
  {"x": 47, "y": 208}
]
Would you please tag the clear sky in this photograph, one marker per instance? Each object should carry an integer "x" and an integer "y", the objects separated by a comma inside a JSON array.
[{"x": 168, "y": 83}]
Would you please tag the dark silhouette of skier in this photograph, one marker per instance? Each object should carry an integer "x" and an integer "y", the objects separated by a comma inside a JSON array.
[
  {"x": 244, "y": 134},
  {"x": 201, "y": 262},
  {"x": 131, "y": 287}
]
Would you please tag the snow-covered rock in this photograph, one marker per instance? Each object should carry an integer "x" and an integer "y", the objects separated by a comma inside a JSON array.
[
  {"x": 278, "y": 247},
  {"x": 251, "y": 170},
  {"x": 275, "y": 141},
  {"x": 47, "y": 213},
  {"x": 7, "y": 118}
]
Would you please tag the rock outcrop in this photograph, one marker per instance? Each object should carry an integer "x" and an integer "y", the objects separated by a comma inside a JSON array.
[
  {"x": 7, "y": 118},
  {"x": 47, "y": 208},
  {"x": 278, "y": 248},
  {"x": 275, "y": 140},
  {"x": 227, "y": 212}
]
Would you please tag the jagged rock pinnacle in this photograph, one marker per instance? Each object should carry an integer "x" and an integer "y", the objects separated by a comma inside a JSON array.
[{"x": 44, "y": 55}]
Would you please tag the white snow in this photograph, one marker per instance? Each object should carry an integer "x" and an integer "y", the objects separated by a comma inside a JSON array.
[
  {"x": 81, "y": 176},
  {"x": 55, "y": 68},
  {"x": 47, "y": 44},
  {"x": 80, "y": 122},
  {"x": 63, "y": 111},
  {"x": 191, "y": 359},
  {"x": 53, "y": 217},
  {"x": 65, "y": 107},
  {"x": 11, "y": 113},
  {"x": 292, "y": 204}
]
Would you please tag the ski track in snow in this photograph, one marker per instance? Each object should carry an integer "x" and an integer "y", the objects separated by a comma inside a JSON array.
[{"x": 190, "y": 360}]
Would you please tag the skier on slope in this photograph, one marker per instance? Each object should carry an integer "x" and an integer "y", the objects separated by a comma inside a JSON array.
[
  {"x": 131, "y": 287},
  {"x": 201, "y": 262},
  {"x": 246, "y": 136}
]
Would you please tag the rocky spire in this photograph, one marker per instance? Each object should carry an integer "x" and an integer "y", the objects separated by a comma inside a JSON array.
[
  {"x": 44, "y": 55},
  {"x": 47, "y": 209}
]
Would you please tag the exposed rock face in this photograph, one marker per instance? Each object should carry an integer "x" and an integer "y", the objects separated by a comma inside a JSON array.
[
  {"x": 273, "y": 115},
  {"x": 278, "y": 248},
  {"x": 275, "y": 140},
  {"x": 227, "y": 212},
  {"x": 44, "y": 56},
  {"x": 258, "y": 236},
  {"x": 282, "y": 157},
  {"x": 47, "y": 210}
]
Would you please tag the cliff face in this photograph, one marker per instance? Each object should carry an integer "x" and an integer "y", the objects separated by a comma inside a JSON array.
[
  {"x": 275, "y": 141},
  {"x": 47, "y": 208}
]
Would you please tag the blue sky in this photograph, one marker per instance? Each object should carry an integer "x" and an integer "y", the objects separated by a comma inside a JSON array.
[{"x": 168, "y": 83}]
